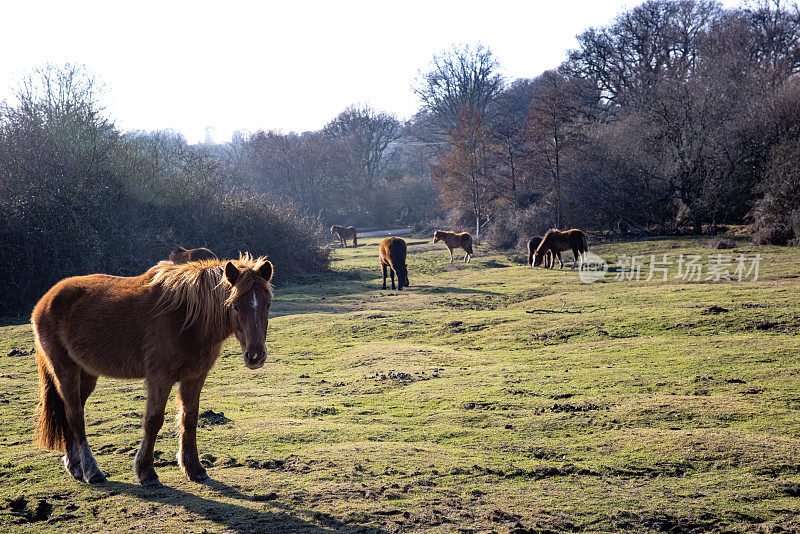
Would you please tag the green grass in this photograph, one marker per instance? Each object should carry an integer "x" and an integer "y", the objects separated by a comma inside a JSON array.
[{"x": 485, "y": 397}]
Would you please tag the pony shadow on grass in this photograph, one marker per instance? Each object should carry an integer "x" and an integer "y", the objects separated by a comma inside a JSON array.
[
  {"x": 237, "y": 518},
  {"x": 450, "y": 289}
]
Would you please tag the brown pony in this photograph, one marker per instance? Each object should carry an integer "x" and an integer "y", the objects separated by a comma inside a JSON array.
[
  {"x": 454, "y": 241},
  {"x": 532, "y": 244},
  {"x": 182, "y": 255},
  {"x": 392, "y": 254},
  {"x": 555, "y": 241},
  {"x": 166, "y": 326},
  {"x": 345, "y": 234}
]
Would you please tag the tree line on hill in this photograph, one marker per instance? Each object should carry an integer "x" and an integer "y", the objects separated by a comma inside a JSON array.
[{"x": 678, "y": 116}]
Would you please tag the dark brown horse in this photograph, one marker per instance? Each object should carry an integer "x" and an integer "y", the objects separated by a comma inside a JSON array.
[
  {"x": 345, "y": 234},
  {"x": 182, "y": 255},
  {"x": 392, "y": 255},
  {"x": 556, "y": 241},
  {"x": 165, "y": 326},
  {"x": 533, "y": 243},
  {"x": 454, "y": 241}
]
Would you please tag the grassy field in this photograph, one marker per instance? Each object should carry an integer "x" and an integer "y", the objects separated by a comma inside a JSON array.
[{"x": 487, "y": 397}]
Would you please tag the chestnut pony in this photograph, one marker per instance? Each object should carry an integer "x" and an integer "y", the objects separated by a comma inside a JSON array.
[
  {"x": 555, "y": 241},
  {"x": 165, "y": 326},
  {"x": 454, "y": 241},
  {"x": 182, "y": 255},
  {"x": 345, "y": 234},
  {"x": 392, "y": 255}
]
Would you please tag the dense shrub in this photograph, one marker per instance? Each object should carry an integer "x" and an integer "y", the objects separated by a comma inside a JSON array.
[
  {"x": 76, "y": 197},
  {"x": 513, "y": 228}
]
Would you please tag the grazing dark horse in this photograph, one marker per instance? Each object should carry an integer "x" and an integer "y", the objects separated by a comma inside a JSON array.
[
  {"x": 454, "y": 241},
  {"x": 555, "y": 241},
  {"x": 392, "y": 254},
  {"x": 182, "y": 255},
  {"x": 345, "y": 234},
  {"x": 533, "y": 243},
  {"x": 165, "y": 326}
]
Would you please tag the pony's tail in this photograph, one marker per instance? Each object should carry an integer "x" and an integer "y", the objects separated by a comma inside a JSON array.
[
  {"x": 52, "y": 426},
  {"x": 355, "y": 240},
  {"x": 584, "y": 244}
]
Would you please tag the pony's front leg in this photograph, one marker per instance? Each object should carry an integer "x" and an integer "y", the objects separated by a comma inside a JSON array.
[
  {"x": 188, "y": 409},
  {"x": 383, "y": 268},
  {"x": 158, "y": 389},
  {"x": 451, "y": 254}
]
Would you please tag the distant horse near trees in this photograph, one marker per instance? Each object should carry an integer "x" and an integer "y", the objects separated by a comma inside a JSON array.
[
  {"x": 454, "y": 241},
  {"x": 345, "y": 234},
  {"x": 533, "y": 243},
  {"x": 555, "y": 241},
  {"x": 181, "y": 255},
  {"x": 392, "y": 255},
  {"x": 165, "y": 326}
]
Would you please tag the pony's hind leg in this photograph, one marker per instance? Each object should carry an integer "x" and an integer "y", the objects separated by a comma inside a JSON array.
[
  {"x": 73, "y": 459},
  {"x": 63, "y": 407},
  {"x": 188, "y": 408},
  {"x": 158, "y": 389}
]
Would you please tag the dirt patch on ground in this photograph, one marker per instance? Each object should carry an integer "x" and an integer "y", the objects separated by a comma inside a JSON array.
[
  {"x": 570, "y": 408},
  {"x": 714, "y": 310},
  {"x": 555, "y": 336},
  {"x": 772, "y": 326},
  {"x": 210, "y": 417},
  {"x": 29, "y": 511},
  {"x": 664, "y": 522}
]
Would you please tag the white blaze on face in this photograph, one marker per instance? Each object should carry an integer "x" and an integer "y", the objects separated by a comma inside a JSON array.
[{"x": 255, "y": 306}]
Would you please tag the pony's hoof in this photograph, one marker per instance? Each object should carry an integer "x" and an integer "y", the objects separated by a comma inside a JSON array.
[
  {"x": 75, "y": 471},
  {"x": 199, "y": 477},
  {"x": 97, "y": 478},
  {"x": 151, "y": 483}
]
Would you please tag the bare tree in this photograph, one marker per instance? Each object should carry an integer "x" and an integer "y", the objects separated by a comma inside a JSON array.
[
  {"x": 462, "y": 174},
  {"x": 554, "y": 129},
  {"x": 461, "y": 79},
  {"x": 509, "y": 150},
  {"x": 368, "y": 135}
]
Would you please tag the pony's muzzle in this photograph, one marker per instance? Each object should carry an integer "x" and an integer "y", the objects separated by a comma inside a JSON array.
[{"x": 254, "y": 359}]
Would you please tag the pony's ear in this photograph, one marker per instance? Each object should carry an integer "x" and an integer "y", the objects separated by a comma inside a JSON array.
[
  {"x": 266, "y": 271},
  {"x": 231, "y": 273}
]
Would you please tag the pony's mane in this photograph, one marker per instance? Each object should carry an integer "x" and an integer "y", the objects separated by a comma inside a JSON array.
[
  {"x": 546, "y": 237},
  {"x": 201, "y": 286}
]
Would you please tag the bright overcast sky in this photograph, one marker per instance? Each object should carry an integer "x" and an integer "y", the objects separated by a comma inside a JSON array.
[{"x": 289, "y": 65}]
